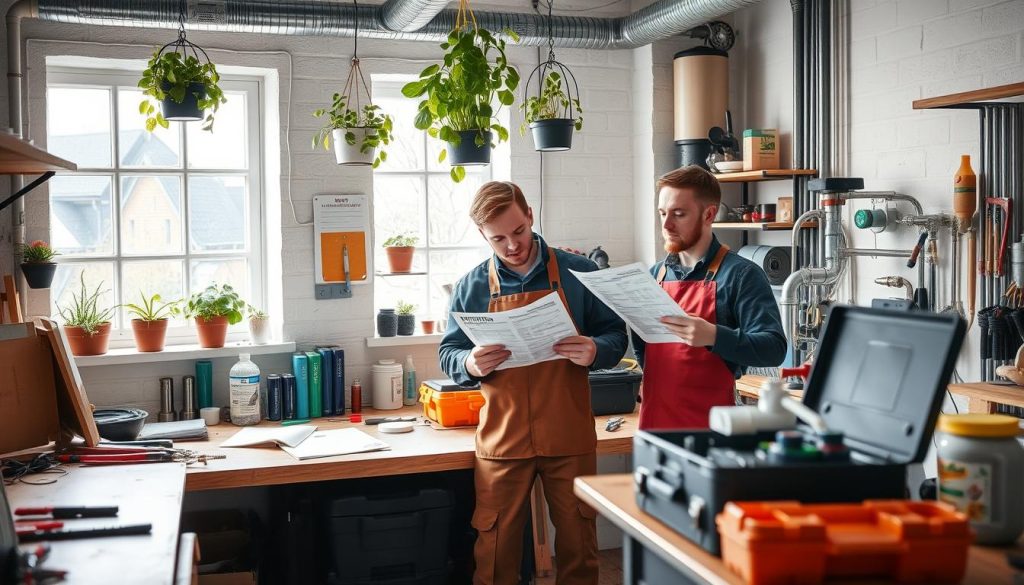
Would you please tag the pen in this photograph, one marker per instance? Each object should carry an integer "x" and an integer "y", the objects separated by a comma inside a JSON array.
[
  {"x": 296, "y": 421},
  {"x": 68, "y": 511},
  {"x": 122, "y": 530}
]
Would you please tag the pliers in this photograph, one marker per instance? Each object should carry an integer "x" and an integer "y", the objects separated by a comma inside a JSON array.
[{"x": 115, "y": 455}]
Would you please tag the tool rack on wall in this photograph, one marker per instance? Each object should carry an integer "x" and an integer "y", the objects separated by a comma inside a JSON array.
[{"x": 1000, "y": 174}]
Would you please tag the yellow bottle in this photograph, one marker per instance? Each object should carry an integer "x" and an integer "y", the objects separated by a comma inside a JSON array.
[{"x": 965, "y": 193}]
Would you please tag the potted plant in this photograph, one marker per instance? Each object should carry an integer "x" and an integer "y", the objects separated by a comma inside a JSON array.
[
  {"x": 184, "y": 86},
  {"x": 149, "y": 327},
  {"x": 400, "y": 251},
  {"x": 259, "y": 326},
  {"x": 459, "y": 94},
  {"x": 406, "y": 318},
  {"x": 214, "y": 309},
  {"x": 37, "y": 264},
  {"x": 86, "y": 326},
  {"x": 553, "y": 113},
  {"x": 358, "y": 133}
]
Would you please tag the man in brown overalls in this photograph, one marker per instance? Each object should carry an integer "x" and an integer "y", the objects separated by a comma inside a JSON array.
[{"x": 537, "y": 419}]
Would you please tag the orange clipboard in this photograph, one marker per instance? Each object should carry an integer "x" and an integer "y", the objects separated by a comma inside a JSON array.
[{"x": 332, "y": 249}]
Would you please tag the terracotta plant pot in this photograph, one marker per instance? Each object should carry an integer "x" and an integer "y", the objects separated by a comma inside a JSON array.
[
  {"x": 149, "y": 335},
  {"x": 84, "y": 344},
  {"x": 39, "y": 274},
  {"x": 259, "y": 331},
  {"x": 212, "y": 332},
  {"x": 400, "y": 258},
  {"x": 428, "y": 326}
]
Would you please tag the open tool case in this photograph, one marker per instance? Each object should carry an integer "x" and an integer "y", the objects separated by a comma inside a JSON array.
[{"x": 879, "y": 378}]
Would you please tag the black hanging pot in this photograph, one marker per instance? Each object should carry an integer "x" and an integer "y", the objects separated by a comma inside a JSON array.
[
  {"x": 188, "y": 110},
  {"x": 551, "y": 135},
  {"x": 467, "y": 153},
  {"x": 39, "y": 274}
]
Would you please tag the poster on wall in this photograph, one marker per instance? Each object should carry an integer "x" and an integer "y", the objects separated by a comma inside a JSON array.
[{"x": 341, "y": 238}]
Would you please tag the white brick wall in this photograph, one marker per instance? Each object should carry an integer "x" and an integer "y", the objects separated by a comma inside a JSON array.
[{"x": 588, "y": 190}]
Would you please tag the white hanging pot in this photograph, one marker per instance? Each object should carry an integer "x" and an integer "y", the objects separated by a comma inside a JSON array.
[{"x": 349, "y": 154}]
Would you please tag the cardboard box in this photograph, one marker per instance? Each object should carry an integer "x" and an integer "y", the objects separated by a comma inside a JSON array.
[
  {"x": 28, "y": 397},
  {"x": 760, "y": 149}
]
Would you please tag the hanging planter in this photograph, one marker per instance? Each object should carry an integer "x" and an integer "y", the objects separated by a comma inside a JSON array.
[
  {"x": 458, "y": 93},
  {"x": 185, "y": 85},
  {"x": 358, "y": 128},
  {"x": 37, "y": 264},
  {"x": 554, "y": 111}
]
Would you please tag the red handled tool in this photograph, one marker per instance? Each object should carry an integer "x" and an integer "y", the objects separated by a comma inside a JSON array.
[
  {"x": 121, "y": 530},
  {"x": 68, "y": 511},
  {"x": 1000, "y": 257}
]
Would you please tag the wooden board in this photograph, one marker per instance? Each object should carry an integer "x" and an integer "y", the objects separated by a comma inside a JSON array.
[
  {"x": 19, "y": 157},
  {"x": 1001, "y": 92},
  {"x": 144, "y": 493},
  {"x": 613, "y": 497},
  {"x": 1010, "y": 394},
  {"x": 73, "y": 407},
  {"x": 28, "y": 403},
  {"x": 421, "y": 451},
  {"x": 764, "y": 175}
]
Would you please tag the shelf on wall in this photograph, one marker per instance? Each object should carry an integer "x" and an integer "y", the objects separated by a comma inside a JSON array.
[
  {"x": 171, "y": 353},
  {"x": 400, "y": 273},
  {"x": 19, "y": 157},
  {"x": 970, "y": 99},
  {"x": 773, "y": 226},
  {"x": 764, "y": 175}
]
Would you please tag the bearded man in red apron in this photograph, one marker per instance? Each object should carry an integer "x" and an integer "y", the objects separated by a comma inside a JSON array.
[
  {"x": 732, "y": 320},
  {"x": 537, "y": 419}
]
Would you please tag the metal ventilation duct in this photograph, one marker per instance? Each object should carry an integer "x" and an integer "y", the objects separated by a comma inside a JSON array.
[{"x": 306, "y": 17}]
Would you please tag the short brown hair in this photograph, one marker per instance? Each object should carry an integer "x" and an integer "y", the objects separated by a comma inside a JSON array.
[
  {"x": 493, "y": 198},
  {"x": 704, "y": 184}
]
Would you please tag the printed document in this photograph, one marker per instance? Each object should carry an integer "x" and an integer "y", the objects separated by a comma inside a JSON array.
[
  {"x": 529, "y": 332},
  {"x": 335, "y": 442},
  {"x": 635, "y": 296},
  {"x": 284, "y": 436}
]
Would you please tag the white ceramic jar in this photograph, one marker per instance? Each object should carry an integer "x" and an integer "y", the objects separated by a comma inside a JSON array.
[{"x": 387, "y": 385}]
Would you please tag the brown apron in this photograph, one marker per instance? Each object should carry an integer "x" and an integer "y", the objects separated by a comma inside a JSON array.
[{"x": 536, "y": 421}]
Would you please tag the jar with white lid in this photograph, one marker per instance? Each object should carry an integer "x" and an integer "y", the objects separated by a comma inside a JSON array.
[
  {"x": 387, "y": 385},
  {"x": 981, "y": 471}
]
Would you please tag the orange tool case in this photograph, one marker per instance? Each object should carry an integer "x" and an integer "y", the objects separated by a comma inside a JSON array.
[
  {"x": 451, "y": 405},
  {"x": 779, "y": 542}
]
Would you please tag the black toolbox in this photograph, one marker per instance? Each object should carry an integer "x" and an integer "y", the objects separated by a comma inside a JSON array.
[
  {"x": 614, "y": 391},
  {"x": 879, "y": 377}
]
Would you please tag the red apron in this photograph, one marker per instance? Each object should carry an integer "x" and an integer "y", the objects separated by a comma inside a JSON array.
[{"x": 681, "y": 382}]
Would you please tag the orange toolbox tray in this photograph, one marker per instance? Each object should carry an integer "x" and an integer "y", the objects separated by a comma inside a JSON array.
[
  {"x": 774, "y": 543},
  {"x": 452, "y": 408}
]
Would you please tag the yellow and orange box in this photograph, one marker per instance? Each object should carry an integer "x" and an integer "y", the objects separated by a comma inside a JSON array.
[{"x": 451, "y": 408}]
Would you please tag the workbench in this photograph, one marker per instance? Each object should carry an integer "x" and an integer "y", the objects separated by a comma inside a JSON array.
[
  {"x": 613, "y": 496},
  {"x": 982, "y": 397}
]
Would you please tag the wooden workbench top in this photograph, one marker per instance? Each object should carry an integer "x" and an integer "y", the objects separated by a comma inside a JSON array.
[
  {"x": 143, "y": 493},
  {"x": 425, "y": 449},
  {"x": 613, "y": 497}
]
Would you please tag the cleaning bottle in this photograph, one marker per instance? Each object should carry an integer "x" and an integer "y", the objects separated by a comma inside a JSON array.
[
  {"x": 244, "y": 392},
  {"x": 965, "y": 193},
  {"x": 410, "y": 396}
]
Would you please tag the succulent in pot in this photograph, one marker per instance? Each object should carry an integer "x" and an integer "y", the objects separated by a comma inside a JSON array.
[
  {"x": 149, "y": 326},
  {"x": 213, "y": 309},
  {"x": 37, "y": 264},
  {"x": 406, "y": 318},
  {"x": 86, "y": 325},
  {"x": 259, "y": 326}
]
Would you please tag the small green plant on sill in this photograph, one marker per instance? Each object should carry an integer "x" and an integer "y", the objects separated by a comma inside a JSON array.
[
  {"x": 404, "y": 308},
  {"x": 214, "y": 301},
  {"x": 551, "y": 103},
  {"x": 340, "y": 116},
  {"x": 38, "y": 252},
  {"x": 84, "y": 309},
  {"x": 401, "y": 241},
  {"x": 255, "y": 313},
  {"x": 170, "y": 75},
  {"x": 152, "y": 308}
]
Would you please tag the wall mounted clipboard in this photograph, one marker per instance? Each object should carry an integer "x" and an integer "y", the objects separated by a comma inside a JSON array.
[{"x": 341, "y": 234}]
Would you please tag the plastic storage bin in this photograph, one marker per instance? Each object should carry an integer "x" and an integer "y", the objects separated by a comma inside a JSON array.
[
  {"x": 449, "y": 404},
  {"x": 614, "y": 391},
  {"x": 771, "y": 543}
]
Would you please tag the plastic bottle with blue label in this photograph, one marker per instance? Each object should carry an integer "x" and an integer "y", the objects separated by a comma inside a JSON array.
[
  {"x": 411, "y": 394},
  {"x": 244, "y": 392}
]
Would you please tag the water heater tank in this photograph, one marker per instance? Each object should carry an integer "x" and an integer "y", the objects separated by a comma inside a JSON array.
[{"x": 701, "y": 95}]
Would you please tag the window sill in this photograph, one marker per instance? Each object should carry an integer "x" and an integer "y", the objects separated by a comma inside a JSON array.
[
  {"x": 172, "y": 353},
  {"x": 400, "y": 340}
]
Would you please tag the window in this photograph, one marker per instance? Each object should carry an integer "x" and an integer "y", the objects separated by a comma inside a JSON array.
[
  {"x": 167, "y": 212},
  {"x": 413, "y": 193}
]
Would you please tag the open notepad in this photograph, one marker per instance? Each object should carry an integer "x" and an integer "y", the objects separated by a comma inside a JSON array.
[
  {"x": 336, "y": 442},
  {"x": 283, "y": 436}
]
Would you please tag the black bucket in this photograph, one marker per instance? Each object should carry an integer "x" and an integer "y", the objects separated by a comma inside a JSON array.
[
  {"x": 552, "y": 135},
  {"x": 467, "y": 153},
  {"x": 188, "y": 110}
]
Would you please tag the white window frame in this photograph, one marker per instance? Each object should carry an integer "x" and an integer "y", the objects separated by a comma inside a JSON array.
[
  {"x": 392, "y": 88},
  {"x": 252, "y": 86}
]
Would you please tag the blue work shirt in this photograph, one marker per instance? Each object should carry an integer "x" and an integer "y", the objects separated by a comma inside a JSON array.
[
  {"x": 472, "y": 294},
  {"x": 747, "y": 317}
]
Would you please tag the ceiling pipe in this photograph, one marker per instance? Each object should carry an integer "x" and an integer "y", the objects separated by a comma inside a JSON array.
[
  {"x": 409, "y": 15},
  {"x": 660, "y": 20}
]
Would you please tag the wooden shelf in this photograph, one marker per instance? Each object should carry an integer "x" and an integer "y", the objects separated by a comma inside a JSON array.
[
  {"x": 766, "y": 175},
  {"x": 969, "y": 98},
  {"x": 774, "y": 226},
  {"x": 982, "y": 396},
  {"x": 18, "y": 157},
  {"x": 400, "y": 273}
]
